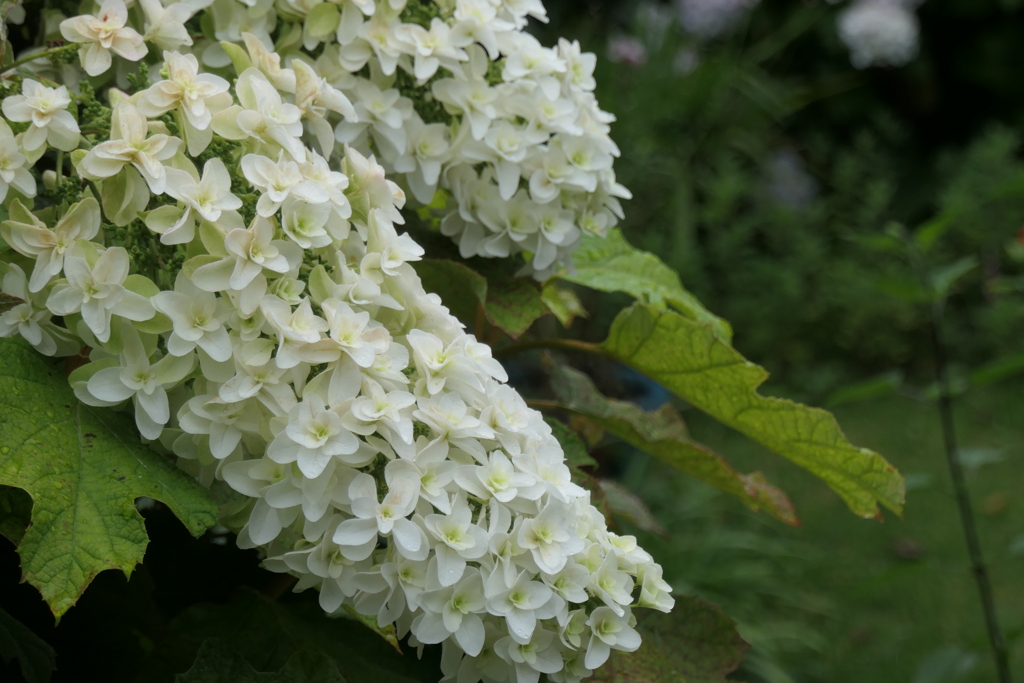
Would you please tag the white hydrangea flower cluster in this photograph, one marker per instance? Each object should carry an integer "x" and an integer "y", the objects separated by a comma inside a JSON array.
[
  {"x": 880, "y": 32},
  {"x": 454, "y": 94},
  {"x": 296, "y": 360}
]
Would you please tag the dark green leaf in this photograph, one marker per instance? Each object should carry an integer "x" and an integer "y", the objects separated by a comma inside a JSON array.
[
  {"x": 462, "y": 289},
  {"x": 612, "y": 265},
  {"x": 696, "y": 643},
  {"x": 219, "y": 663},
  {"x": 7, "y": 302},
  {"x": 34, "y": 656},
  {"x": 15, "y": 513},
  {"x": 267, "y": 634},
  {"x": 576, "y": 455},
  {"x": 83, "y": 467},
  {"x": 689, "y": 360},
  {"x": 513, "y": 304},
  {"x": 663, "y": 434}
]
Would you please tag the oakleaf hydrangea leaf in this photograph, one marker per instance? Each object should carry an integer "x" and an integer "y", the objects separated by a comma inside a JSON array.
[
  {"x": 694, "y": 644},
  {"x": 613, "y": 265},
  {"x": 219, "y": 663},
  {"x": 663, "y": 434},
  {"x": 83, "y": 467},
  {"x": 690, "y": 360},
  {"x": 269, "y": 634}
]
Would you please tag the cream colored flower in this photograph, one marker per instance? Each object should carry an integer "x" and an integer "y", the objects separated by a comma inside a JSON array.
[
  {"x": 46, "y": 110},
  {"x": 102, "y": 34},
  {"x": 130, "y": 144}
]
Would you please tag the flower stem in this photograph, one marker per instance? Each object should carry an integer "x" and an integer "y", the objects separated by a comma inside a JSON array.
[
  {"x": 963, "y": 499},
  {"x": 559, "y": 344},
  {"x": 39, "y": 55}
]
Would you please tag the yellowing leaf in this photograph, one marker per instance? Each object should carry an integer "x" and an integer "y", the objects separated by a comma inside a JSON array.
[
  {"x": 663, "y": 434},
  {"x": 691, "y": 361},
  {"x": 613, "y": 265},
  {"x": 83, "y": 467}
]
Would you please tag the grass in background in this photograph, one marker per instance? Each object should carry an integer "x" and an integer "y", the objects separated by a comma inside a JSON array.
[{"x": 846, "y": 600}]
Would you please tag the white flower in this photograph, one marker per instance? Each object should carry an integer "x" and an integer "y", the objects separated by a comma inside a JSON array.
[
  {"x": 95, "y": 288},
  {"x": 315, "y": 97},
  {"x": 165, "y": 26},
  {"x": 879, "y": 32},
  {"x": 250, "y": 253},
  {"x": 207, "y": 198},
  {"x": 130, "y": 143},
  {"x": 144, "y": 382},
  {"x": 196, "y": 316},
  {"x": 27, "y": 319},
  {"x": 13, "y": 172},
  {"x": 454, "y": 612},
  {"x": 458, "y": 540},
  {"x": 46, "y": 110},
  {"x": 279, "y": 181},
  {"x": 198, "y": 97},
  {"x": 610, "y": 631},
  {"x": 313, "y": 437},
  {"x": 519, "y": 603},
  {"x": 262, "y": 115},
  {"x": 102, "y": 34},
  {"x": 358, "y": 536},
  {"x": 46, "y": 246}
]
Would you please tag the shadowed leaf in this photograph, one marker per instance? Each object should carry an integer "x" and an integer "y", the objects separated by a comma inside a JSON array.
[
  {"x": 267, "y": 634},
  {"x": 15, "y": 513},
  {"x": 219, "y": 663},
  {"x": 35, "y": 658}
]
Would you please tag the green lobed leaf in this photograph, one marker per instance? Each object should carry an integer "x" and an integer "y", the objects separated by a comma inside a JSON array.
[
  {"x": 268, "y": 633},
  {"x": 217, "y": 662},
  {"x": 83, "y": 467},
  {"x": 663, "y": 434},
  {"x": 690, "y": 360},
  {"x": 696, "y": 643},
  {"x": 613, "y": 265},
  {"x": 36, "y": 658}
]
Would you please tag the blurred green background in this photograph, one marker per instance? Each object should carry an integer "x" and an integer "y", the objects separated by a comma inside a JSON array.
[{"x": 777, "y": 179}]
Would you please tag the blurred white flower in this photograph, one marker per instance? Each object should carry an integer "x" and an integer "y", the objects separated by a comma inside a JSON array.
[{"x": 880, "y": 32}]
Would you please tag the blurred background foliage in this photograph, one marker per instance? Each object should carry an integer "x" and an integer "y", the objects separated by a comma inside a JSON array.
[{"x": 778, "y": 180}]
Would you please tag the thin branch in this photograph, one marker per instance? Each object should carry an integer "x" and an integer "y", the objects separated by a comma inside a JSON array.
[
  {"x": 550, "y": 406},
  {"x": 963, "y": 499},
  {"x": 555, "y": 344},
  {"x": 45, "y": 53}
]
